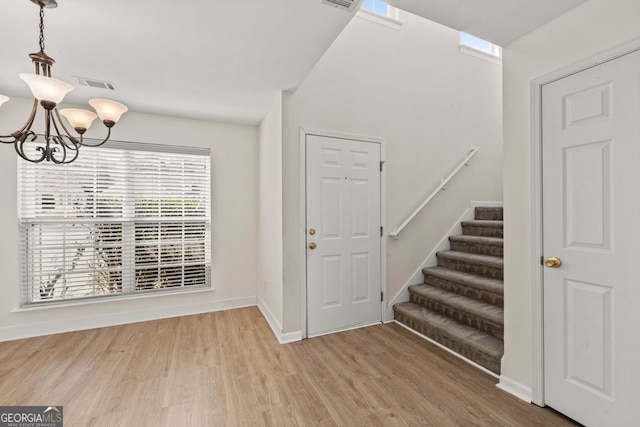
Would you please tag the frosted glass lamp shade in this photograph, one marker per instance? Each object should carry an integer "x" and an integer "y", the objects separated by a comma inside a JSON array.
[
  {"x": 3, "y": 99},
  {"x": 109, "y": 111},
  {"x": 79, "y": 119},
  {"x": 46, "y": 88}
]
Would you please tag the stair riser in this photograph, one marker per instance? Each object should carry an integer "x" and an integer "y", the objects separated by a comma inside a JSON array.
[
  {"x": 477, "y": 248},
  {"x": 467, "y": 267},
  {"x": 494, "y": 214},
  {"x": 484, "y": 325},
  {"x": 491, "y": 363},
  {"x": 474, "y": 230},
  {"x": 466, "y": 291}
]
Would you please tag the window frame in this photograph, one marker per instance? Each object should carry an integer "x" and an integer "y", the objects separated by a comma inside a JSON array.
[
  {"x": 493, "y": 54},
  {"x": 391, "y": 15},
  {"x": 192, "y": 241}
]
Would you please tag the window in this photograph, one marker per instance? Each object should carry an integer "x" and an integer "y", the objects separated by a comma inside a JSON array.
[
  {"x": 479, "y": 45},
  {"x": 380, "y": 8},
  {"x": 122, "y": 219}
]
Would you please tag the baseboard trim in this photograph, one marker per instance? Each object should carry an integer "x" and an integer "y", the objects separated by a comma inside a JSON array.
[
  {"x": 10, "y": 333},
  {"x": 447, "y": 349},
  {"x": 282, "y": 337},
  {"x": 289, "y": 337},
  {"x": 515, "y": 388}
]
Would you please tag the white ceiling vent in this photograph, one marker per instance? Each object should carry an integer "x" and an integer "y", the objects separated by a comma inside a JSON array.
[
  {"x": 347, "y": 5},
  {"x": 95, "y": 83}
]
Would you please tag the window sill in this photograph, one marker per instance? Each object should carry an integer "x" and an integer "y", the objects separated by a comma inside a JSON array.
[
  {"x": 99, "y": 300},
  {"x": 386, "y": 21},
  {"x": 480, "y": 54}
]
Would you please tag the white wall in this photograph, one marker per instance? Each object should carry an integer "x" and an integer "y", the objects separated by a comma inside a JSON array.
[
  {"x": 591, "y": 28},
  {"x": 270, "y": 212},
  {"x": 234, "y": 226},
  {"x": 430, "y": 102}
]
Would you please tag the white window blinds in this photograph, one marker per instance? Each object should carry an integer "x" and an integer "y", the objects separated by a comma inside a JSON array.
[{"x": 122, "y": 219}]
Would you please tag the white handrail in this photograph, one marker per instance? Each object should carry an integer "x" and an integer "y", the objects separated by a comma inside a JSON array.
[{"x": 443, "y": 184}]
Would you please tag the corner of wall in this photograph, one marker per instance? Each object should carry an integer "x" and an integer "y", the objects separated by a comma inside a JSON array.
[
  {"x": 282, "y": 337},
  {"x": 515, "y": 388},
  {"x": 270, "y": 222}
]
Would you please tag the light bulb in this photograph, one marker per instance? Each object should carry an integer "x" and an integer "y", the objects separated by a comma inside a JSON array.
[{"x": 3, "y": 99}]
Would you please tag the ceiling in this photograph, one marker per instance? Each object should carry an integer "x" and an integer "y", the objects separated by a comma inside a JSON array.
[
  {"x": 204, "y": 59},
  {"x": 213, "y": 59},
  {"x": 498, "y": 21}
]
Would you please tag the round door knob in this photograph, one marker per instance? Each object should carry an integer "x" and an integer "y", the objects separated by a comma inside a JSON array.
[
  {"x": 312, "y": 245},
  {"x": 553, "y": 262}
]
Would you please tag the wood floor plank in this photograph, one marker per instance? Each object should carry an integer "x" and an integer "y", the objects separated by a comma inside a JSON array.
[{"x": 227, "y": 368}]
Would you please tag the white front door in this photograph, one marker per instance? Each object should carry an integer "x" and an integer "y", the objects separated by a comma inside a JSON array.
[
  {"x": 343, "y": 234},
  {"x": 591, "y": 209}
]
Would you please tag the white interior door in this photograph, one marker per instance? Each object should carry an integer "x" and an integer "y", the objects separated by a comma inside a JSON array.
[
  {"x": 343, "y": 234},
  {"x": 591, "y": 209}
]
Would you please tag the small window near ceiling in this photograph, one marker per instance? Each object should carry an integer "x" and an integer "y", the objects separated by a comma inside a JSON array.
[
  {"x": 471, "y": 44},
  {"x": 380, "y": 8}
]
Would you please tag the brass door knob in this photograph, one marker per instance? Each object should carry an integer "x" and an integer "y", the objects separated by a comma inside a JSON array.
[
  {"x": 553, "y": 262},
  {"x": 312, "y": 231},
  {"x": 312, "y": 245}
]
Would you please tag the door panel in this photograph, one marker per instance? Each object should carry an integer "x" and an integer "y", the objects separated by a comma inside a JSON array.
[
  {"x": 587, "y": 189},
  {"x": 588, "y": 336},
  {"x": 591, "y": 158},
  {"x": 343, "y": 207}
]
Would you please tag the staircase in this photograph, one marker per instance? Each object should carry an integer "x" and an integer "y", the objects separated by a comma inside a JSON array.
[{"x": 460, "y": 303}]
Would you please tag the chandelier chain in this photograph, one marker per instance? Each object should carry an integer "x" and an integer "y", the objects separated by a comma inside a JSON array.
[{"x": 41, "y": 28}]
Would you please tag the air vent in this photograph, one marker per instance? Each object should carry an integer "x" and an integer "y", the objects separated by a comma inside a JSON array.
[
  {"x": 347, "y": 5},
  {"x": 95, "y": 83}
]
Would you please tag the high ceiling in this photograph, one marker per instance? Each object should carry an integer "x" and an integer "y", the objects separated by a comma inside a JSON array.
[
  {"x": 207, "y": 59},
  {"x": 499, "y": 21},
  {"x": 213, "y": 59}
]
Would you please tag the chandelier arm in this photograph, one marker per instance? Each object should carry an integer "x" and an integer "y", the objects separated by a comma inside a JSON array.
[
  {"x": 19, "y": 147},
  {"x": 25, "y": 129},
  {"x": 99, "y": 143},
  {"x": 59, "y": 139},
  {"x": 71, "y": 138},
  {"x": 8, "y": 141},
  {"x": 66, "y": 131},
  {"x": 61, "y": 143}
]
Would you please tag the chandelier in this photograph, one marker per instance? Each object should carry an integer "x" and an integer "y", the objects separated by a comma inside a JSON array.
[{"x": 59, "y": 145}]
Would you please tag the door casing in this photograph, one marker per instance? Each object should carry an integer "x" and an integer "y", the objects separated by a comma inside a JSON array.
[
  {"x": 302, "y": 231},
  {"x": 537, "y": 386}
]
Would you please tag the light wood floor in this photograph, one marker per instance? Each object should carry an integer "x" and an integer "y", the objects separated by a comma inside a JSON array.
[{"x": 227, "y": 369}]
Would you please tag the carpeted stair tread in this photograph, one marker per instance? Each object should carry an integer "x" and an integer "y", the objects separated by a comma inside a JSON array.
[
  {"x": 471, "y": 280},
  {"x": 484, "y": 223},
  {"x": 482, "y": 348},
  {"x": 493, "y": 241},
  {"x": 483, "y": 265},
  {"x": 481, "y": 245},
  {"x": 460, "y": 304},
  {"x": 488, "y": 228},
  {"x": 491, "y": 213},
  {"x": 468, "y": 311}
]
